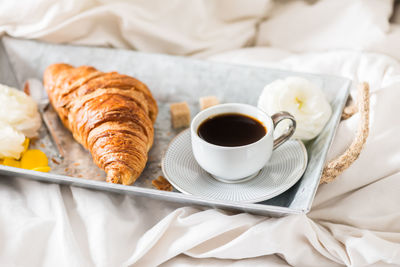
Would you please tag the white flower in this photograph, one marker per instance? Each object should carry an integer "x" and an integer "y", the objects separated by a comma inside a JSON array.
[
  {"x": 19, "y": 111},
  {"x": 10, "y": 141},
  {"x": 303, "y": 99}
]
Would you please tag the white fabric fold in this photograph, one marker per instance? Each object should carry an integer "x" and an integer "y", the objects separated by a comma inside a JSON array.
[{"x": 176, "y": 27}]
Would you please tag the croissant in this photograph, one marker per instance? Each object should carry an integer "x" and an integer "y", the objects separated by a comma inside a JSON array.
[{"x": 110, "y": 114}]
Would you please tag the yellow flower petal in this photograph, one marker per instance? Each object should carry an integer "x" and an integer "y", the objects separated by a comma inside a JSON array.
[
  {"x": 42, "y": 169},
  {"x": 34, "y": 158},
  {"x": 12, "y": 162}
]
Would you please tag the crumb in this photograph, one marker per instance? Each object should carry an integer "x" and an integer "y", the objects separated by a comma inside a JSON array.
[
  {"x": 66, "y": 169},
  {"x": 42, "y": 145},
  {"x": 79, "y": 176},
  {"x": 208, "y": 101},
  {"x": 162, "y": 184},
  {"x": 55, "y": 161},
  {"x": 180, "y": 115},
  {"x": 77, "y": 164}
]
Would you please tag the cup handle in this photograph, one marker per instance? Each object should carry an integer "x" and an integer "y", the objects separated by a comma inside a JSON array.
[{"x": 277, "y": 118}]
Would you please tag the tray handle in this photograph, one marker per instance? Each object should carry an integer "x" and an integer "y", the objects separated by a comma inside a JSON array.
[{"x": 336, "y": 166}]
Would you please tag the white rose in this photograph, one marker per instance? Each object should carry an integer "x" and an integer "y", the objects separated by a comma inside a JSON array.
[
  {"x": 303, "y": 99},
  {"x": 19, "y": 111},
  {"x": 11, "y": 141}
]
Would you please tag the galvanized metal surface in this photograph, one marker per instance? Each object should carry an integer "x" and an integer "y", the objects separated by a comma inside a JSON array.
[{"x": 171, "y": 79}]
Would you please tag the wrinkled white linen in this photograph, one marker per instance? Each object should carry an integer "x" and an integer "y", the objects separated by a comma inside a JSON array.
[
  {"x": 336, "y": 24},
  {"x": 354, "y": 220},
  {"x": 175, "y": 27}
]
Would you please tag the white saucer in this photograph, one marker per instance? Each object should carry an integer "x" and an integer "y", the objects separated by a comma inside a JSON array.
[{"x": 284, "y": 169}]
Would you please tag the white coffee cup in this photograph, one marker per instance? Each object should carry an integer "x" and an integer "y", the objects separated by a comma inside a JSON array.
[{"x": 238, "y": 163}]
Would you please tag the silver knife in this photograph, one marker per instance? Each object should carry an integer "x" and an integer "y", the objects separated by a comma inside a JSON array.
[
  {"x": 9, "y": 77},
  {"x": 34, "y": 88}
]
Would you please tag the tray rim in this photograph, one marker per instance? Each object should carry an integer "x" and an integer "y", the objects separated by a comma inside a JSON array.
[
  {"x": 141, "y": 191},
  {"x": 263, "y": 209}
]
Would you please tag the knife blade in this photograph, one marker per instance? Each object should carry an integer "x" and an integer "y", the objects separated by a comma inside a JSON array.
[
  {"x": 9, "y": 77},
  {"x": 34, "y": 88}
]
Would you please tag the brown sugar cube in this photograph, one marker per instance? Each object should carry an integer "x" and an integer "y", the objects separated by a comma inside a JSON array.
[
  {"x": 180, "y": 115},
  {"x": 162, "y": 184},
  {"x": 208, "y": 101}
]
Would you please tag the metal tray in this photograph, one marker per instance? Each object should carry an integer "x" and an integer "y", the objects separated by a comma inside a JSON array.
[{"x": 171, "y": 79}]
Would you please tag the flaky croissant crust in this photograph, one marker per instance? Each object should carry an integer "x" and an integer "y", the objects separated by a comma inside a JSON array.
[{"x": 110, "y": 114}]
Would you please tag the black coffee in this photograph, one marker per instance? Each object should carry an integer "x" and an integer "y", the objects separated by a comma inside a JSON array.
[{"x": 231, "y": 129}]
